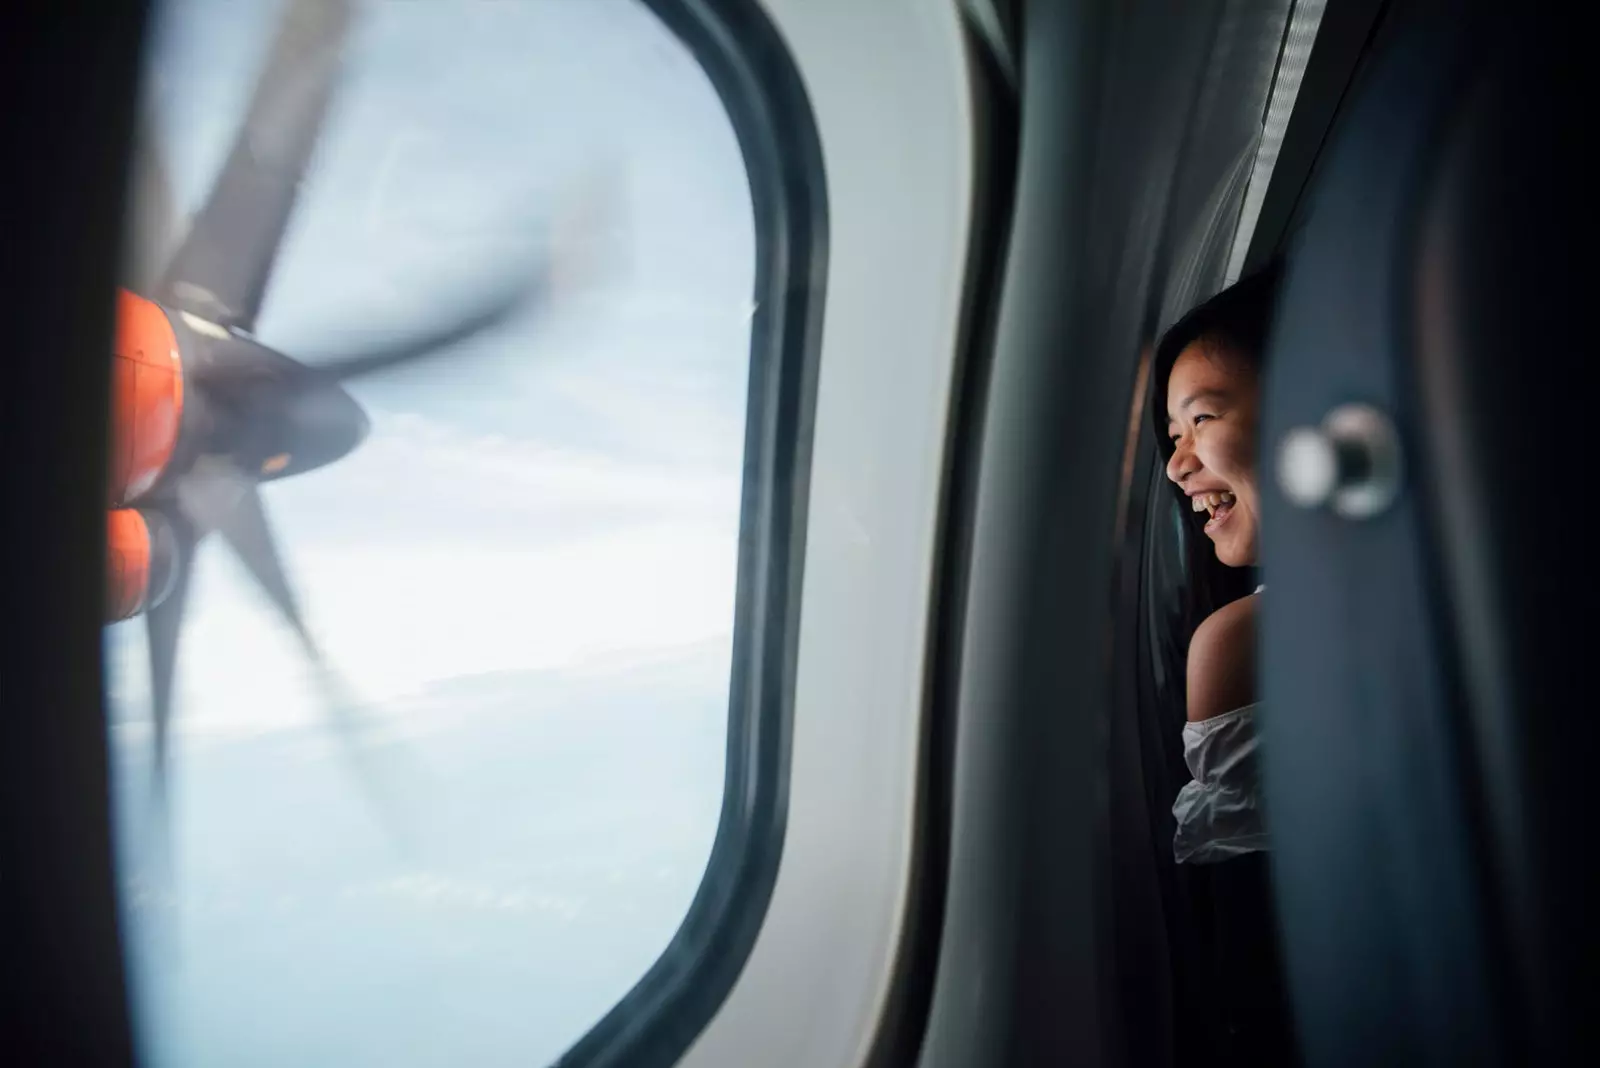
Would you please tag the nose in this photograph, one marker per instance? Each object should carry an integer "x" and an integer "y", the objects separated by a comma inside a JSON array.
[{"x": 1183, "y": 463}]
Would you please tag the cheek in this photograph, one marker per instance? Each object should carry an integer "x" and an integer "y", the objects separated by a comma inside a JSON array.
[{"x": 1228, "y": 452}]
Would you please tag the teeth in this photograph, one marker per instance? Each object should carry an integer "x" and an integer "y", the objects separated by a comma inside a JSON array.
[{"x": 1210, "y": 502}]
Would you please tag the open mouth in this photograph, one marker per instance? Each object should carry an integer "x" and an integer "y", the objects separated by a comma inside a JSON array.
[{"x": 1219, "y": 504}]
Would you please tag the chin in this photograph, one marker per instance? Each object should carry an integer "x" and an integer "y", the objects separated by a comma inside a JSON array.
[{"x": 1232, "y": 554}]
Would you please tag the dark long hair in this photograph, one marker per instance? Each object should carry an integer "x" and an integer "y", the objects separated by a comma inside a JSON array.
[{"x": 1237, "y": 321}]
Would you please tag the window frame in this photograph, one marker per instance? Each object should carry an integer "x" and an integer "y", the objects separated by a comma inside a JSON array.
[
  {"x": 751, "y": 71},
  {"x": 829, "y": 980},
  {"x": 63, "y": 996}
]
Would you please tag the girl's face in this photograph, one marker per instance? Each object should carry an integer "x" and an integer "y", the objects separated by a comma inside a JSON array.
[{"x": 1211, "y": 416}]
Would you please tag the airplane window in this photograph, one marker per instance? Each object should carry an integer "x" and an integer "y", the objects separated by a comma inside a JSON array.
[{"x": 427, "y": 503}]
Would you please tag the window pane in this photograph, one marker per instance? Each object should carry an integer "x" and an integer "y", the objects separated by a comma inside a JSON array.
[{"x": 522, "y": 579}]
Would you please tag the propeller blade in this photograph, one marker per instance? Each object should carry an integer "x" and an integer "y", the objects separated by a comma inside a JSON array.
[
  {"x": 164, "y": 626},
  {"x": 216, "y": 495},
  {"x": 579, "y": 242},
  {"x": 222, "y": 270},
  {"x": 152, "y": 216},
  {"x": 385, "y": 356}
]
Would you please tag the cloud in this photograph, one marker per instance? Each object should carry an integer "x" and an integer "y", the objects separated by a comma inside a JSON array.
[
  {"x": 522, "y": 558},
  {"x": 396, "y": 619},
  {"x": 418, "y": 479},
  {"x": 434, "y": 890}
]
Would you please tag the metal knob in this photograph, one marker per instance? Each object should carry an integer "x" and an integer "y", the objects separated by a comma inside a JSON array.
[{"x": 1350, "y": 463}]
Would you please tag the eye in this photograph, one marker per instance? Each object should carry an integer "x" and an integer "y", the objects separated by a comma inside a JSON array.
[{"x": 1202, "y": 418}]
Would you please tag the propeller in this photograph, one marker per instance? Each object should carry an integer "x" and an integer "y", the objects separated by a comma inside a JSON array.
[
  {"x": 221, "y": 270},
  {"x": 250, "y": 413},
  {"x": 152, "y": 217}
]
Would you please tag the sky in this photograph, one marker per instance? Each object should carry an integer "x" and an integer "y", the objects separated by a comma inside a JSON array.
[{"x": 525, "y": 575}]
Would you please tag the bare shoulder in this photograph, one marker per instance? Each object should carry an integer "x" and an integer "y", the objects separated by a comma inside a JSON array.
[{"x": 1222, "y": 660}]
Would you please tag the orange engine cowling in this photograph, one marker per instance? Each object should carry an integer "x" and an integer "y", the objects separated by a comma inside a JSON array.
[
  {"x": 141, "y": 561},
  {"x": 146, "y": 396}
]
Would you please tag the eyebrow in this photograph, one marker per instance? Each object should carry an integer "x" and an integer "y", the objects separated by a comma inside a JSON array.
[{"x": 1214, "y": 394}]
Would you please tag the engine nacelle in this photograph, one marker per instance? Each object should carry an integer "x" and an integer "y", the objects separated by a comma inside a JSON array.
[
  {"x": 141, "y": 561},
  {"x": 146, "y": 396}
]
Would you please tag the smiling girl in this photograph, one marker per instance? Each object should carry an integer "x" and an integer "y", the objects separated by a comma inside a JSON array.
[
  {"x": 1206, "y": 409},
  {"x": 1211, "y": 363}
]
